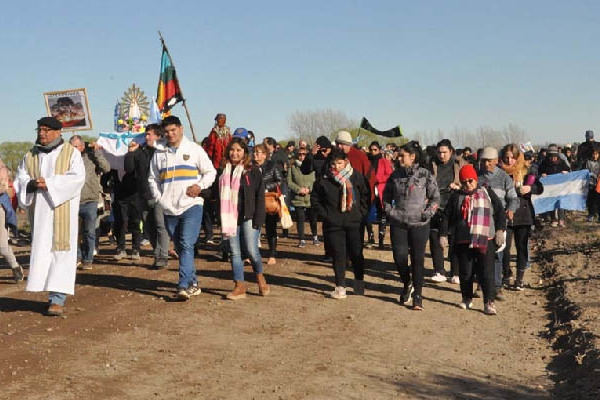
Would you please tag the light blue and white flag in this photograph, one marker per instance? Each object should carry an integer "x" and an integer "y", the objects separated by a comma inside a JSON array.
[
  {"x": 155, "y": 115},
  {"x": 566, "y": 191}
]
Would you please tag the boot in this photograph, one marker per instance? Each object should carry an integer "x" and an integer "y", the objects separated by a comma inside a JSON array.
[
  {"x": 239, "y": 291},
  {"x": 519, "y": 281},
  {"x": 263, "y": 288}
]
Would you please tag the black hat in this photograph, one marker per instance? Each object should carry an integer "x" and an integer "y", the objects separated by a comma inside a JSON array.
[
  {"x": 323, "y": 141},
  {"x": 50, "y": 122},
  {"x": 589, "y": 134}
]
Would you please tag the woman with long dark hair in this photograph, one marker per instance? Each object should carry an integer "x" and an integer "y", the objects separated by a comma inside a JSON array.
[
  {"x": 411, "y": 197},
  {"x": 242, "y": 200}
]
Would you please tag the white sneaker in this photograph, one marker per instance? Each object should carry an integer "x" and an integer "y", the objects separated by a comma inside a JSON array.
[
  {"x": 466, "y": 305},
  {"x": 437, "y": 277},
  {"x": 455, "y": 280},
  {"x": 338, "y": 293}
]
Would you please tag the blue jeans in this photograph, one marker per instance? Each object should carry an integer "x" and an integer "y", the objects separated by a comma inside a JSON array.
[
  {"x": 183, "y": 230},
  {"x": 247, "y": 237},
  {"x": 57, "y": 298},
  {"x": 88, "y": 213}
]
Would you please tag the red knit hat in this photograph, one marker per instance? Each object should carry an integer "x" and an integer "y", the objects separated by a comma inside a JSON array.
[{"x": 467, "y": 172}]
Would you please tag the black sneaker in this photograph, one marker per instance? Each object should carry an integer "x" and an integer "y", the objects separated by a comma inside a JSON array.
[
  {"x": 406, "y": 293},
  {"x": 519, "y": 286},
  {"x": 18, "y": 274}
]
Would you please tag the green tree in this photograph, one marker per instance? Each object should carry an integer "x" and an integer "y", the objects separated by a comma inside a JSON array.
[{"x": 12, "y": 153}]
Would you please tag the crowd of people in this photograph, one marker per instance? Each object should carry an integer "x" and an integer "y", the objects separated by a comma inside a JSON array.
[{"x": 472, "y": 205}]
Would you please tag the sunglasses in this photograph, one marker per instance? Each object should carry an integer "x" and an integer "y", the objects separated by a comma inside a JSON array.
[{"x": 469, "y": 181}]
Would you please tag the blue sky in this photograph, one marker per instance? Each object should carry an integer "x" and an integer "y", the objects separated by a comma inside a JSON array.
[{"x": 426, "y": 65}]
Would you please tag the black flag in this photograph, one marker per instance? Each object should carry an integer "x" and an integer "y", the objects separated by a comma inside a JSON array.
[{"x": 394, "y": 132}]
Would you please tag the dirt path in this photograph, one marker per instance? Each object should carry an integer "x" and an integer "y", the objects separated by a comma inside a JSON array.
[{"x": 123, "y": 338}]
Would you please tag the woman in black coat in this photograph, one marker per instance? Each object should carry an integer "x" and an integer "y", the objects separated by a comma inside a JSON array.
[
  {"x": 341, "y": 199},
  {"x": 272, "y": 179},
  {"x": 513, "y": 163}
]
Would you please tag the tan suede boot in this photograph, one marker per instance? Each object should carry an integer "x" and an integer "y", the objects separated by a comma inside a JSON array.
[
  {"x": 239, "y": 291},
  {"x": 263, "y": 288}
]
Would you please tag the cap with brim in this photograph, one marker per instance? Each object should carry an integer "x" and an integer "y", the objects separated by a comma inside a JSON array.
[
  {"x": 241, "y": 133},
  {"x": 49, "y": 122}
]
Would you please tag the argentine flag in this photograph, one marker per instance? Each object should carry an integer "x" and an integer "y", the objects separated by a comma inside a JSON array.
[{"x": 566, "y": 191}]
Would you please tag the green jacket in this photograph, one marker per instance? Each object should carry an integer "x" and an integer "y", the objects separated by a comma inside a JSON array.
[
  {"x": 95, "y": 164},
  {"x": 296, "y": 180}
]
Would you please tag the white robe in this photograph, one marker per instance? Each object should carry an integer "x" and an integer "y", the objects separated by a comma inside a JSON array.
[{"x": 52, "y": 270}]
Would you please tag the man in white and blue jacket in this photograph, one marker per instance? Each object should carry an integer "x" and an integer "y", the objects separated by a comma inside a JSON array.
[{"x": 178, "y": 174}]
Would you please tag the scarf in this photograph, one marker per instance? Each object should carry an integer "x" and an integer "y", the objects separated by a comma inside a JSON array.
[
  {"x": 517, "y": 171},
  {"x": 342, "y": 178},
  {"x": 476, "y": 210},
  {"x": 223, "y": 132},
  {"x": 48, "y": 147},
  {"x": 229, "y": 187},
  {"x": 61, "y": 238}
]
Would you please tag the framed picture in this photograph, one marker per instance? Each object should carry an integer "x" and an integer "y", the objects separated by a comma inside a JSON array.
[{"x": 71, "y": 108}]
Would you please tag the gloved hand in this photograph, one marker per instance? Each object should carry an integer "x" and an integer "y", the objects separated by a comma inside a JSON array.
[
  {"x": 444, "y": 241},
  {"x": 499, "y": 239}
]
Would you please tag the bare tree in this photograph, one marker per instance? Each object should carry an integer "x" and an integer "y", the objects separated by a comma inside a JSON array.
[{"x": 309, "y": 125}]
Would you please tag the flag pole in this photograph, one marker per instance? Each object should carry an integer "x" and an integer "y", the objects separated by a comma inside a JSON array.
[{"x": 187, "y": 113}]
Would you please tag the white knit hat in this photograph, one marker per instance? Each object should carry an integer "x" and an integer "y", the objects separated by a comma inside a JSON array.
[
  {"x": 344, "y": 137},
  {"x": 489, "y": 153}
]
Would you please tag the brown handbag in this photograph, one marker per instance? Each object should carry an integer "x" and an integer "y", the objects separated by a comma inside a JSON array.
[{"x": 272, "y": 204}]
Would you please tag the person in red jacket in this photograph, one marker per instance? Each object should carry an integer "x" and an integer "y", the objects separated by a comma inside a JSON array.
[
  {"x": 382, "y": 168},
  {"x": 218, "y": 139}
]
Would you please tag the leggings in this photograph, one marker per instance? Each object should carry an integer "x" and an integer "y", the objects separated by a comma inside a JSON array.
[
  {"x": 520, "y": 234},
  {"x": 471, "y": 262},
  {"x": 413, "y": 240},
  {"x": 271, "y": 231},
  {"x": 345, "y": 242}
]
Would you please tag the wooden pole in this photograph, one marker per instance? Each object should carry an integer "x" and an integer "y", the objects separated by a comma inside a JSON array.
[{"x": 187, "y": 113}]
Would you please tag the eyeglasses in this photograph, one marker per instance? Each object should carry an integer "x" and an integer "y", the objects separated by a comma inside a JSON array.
[
  {"x": 469, "y": 181},
  {"x": 45, "y": 129}
]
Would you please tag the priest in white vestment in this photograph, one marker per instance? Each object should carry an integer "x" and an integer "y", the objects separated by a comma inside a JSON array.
[{"x": 49, "y": 182}]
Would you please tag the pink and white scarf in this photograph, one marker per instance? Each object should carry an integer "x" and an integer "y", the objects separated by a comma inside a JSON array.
[{"x": 229, "y": 187}]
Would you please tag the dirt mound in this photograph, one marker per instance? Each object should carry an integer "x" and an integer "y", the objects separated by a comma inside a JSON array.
[{"x": 569, "y": 261}]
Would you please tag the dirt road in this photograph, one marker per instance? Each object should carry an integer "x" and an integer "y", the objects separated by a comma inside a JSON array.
[{"x": 123, "y": 337}]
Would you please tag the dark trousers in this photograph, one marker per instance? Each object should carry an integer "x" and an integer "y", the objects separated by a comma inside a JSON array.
[
  {"x": 271, "y": 231},
  {"x": 301, "y": 217},
  {"x": 345, "y": 241},
  {"x": 593, "y": 203},
  {"x": 437, "y": 254},
  {"x": 520, "y": 234},
  {"x": 381, "y": 221},
  {"x": 472, "y": 262},
  {"x": 128, "y": 215},
  {"x": 207, "y": 219},
  {"x": 410, "y": 240}
]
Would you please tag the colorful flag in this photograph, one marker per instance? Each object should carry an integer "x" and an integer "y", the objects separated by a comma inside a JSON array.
[
  {"x": 394, "y": 132},
  {"x": 566, "y": 191},
  {"x": 169, "y": 92}
]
